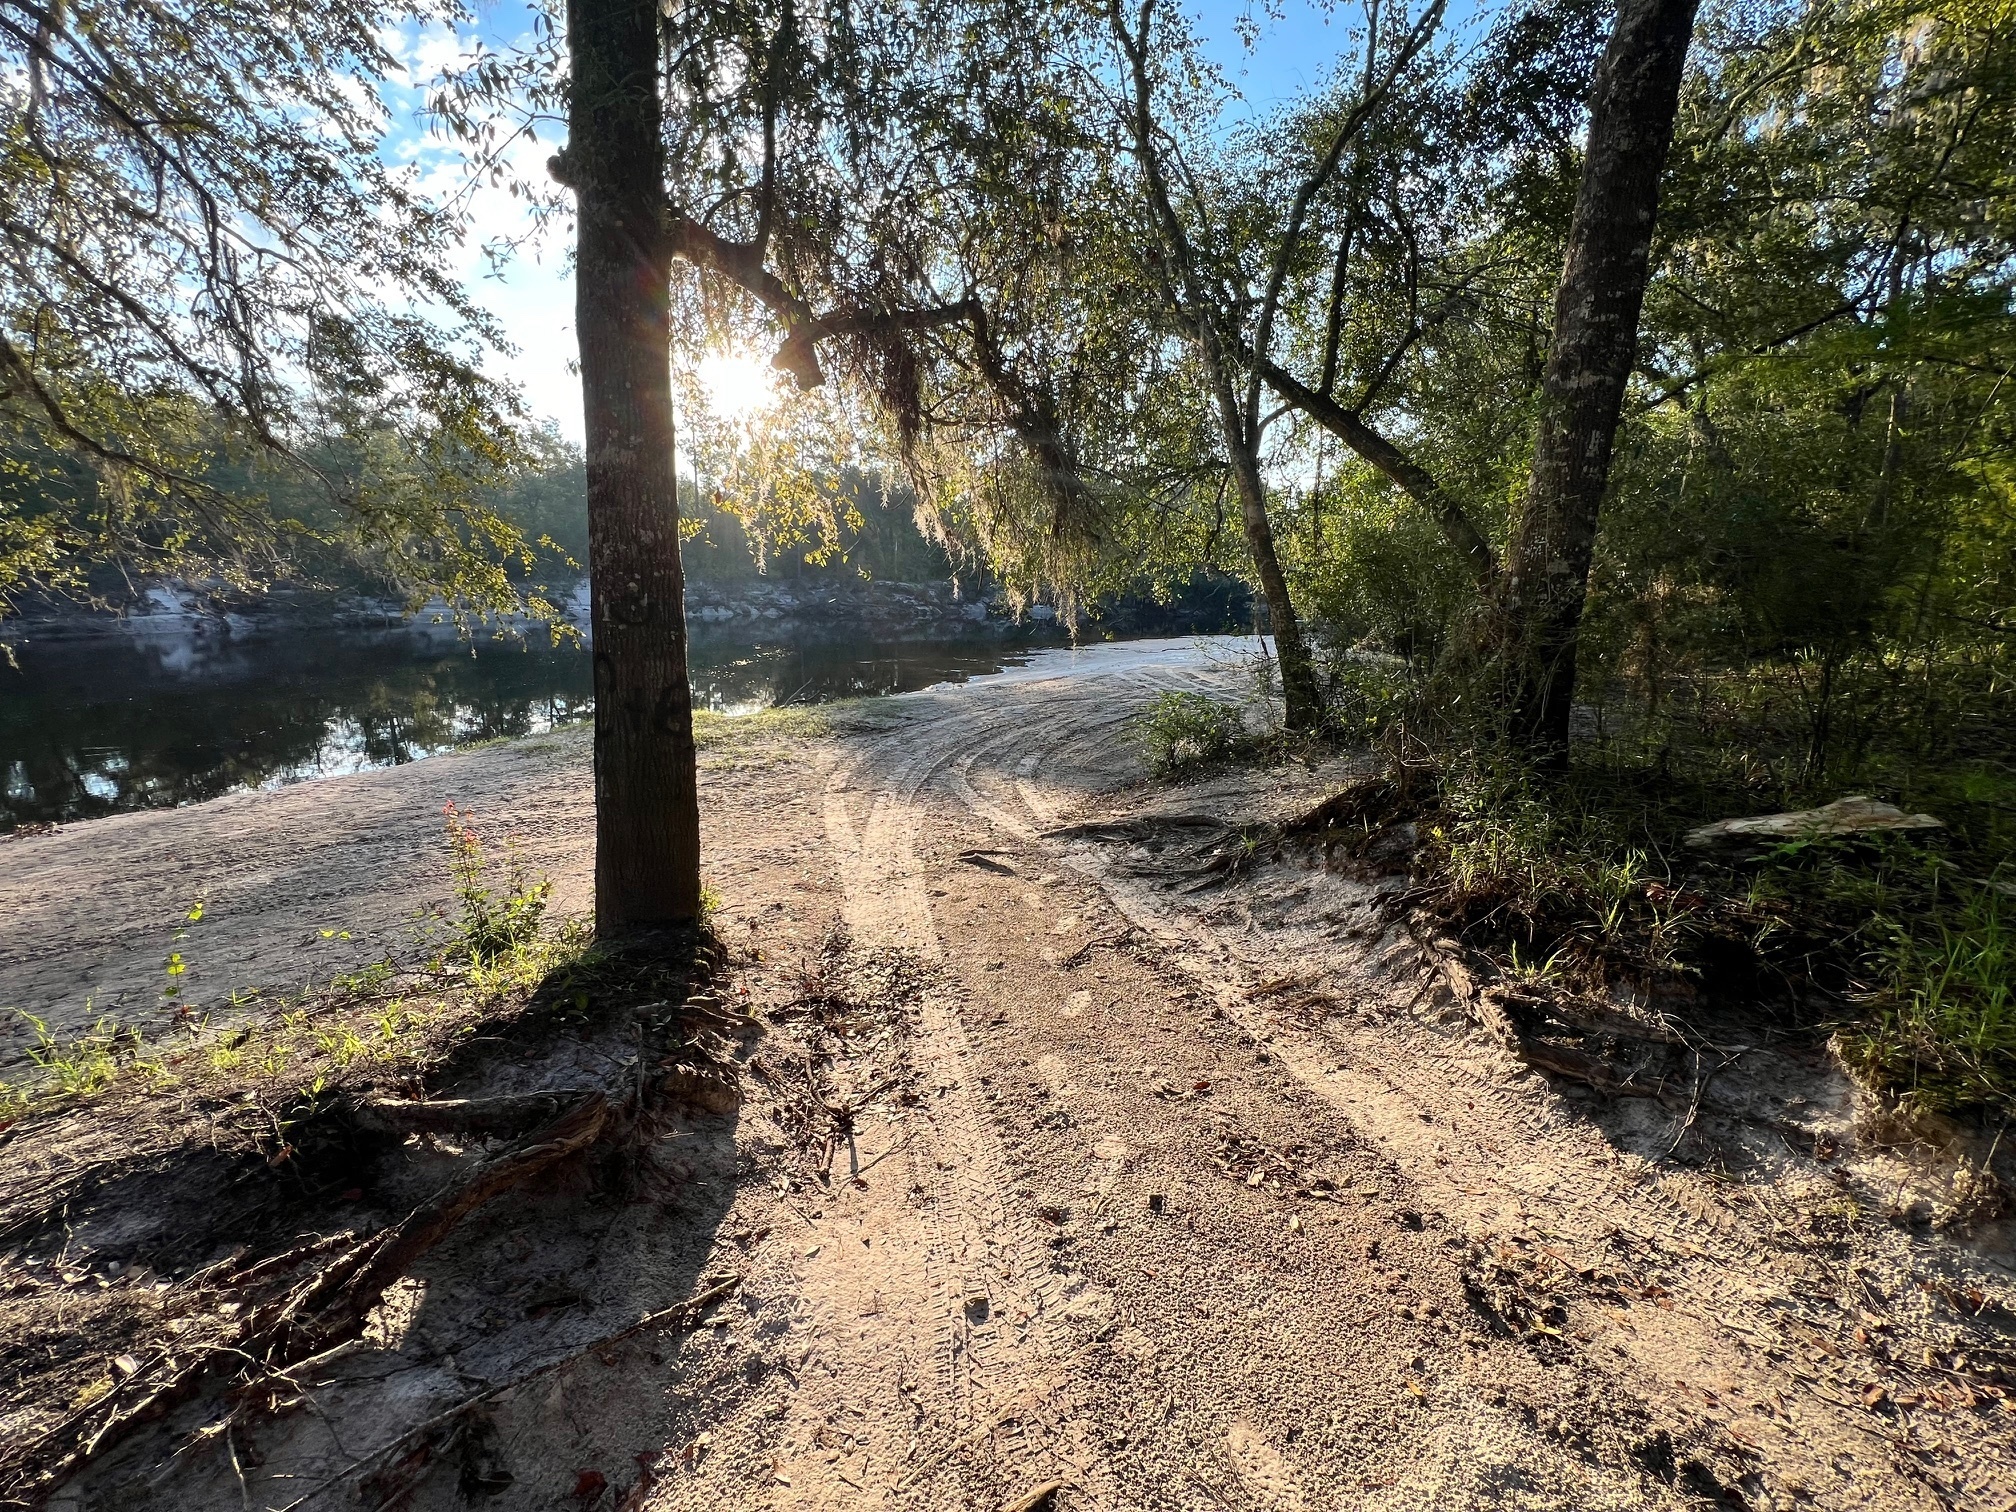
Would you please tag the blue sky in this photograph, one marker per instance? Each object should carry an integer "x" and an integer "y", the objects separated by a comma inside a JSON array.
[{"x": 533, "y": 299}]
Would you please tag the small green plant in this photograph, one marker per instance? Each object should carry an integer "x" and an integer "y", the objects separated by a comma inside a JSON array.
[
  {"x": 1179, "y": 730},
  {"x": 175, "y": 967},
  {"x": 1944, "y": 1025},
  {"x": 341, "y": 1044},
  {"x": 1532, "y": 973},
  {"x": 90, "y": 1063},
  {"x": 493, "y": 922},
  {"x": 392, "y": 1021},
  {"x": 366, "y": 981},
  {"x": 1557, "y": 872}
]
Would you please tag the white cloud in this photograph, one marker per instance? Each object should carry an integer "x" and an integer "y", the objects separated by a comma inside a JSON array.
[{"x": 534, "y": 301}]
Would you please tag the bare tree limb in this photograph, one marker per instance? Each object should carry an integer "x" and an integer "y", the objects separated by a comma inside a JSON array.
[{"x": 1414, "y": 479}]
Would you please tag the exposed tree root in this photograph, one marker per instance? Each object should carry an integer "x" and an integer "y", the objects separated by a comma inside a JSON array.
[
  {"x": 329, "y": 1307},
  {"x": 1605, "y": 1075},
  {"x": 473, "y": 1115}
]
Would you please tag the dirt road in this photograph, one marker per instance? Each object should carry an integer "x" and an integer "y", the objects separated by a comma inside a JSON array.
[{"x": 1148, "y": 1197}]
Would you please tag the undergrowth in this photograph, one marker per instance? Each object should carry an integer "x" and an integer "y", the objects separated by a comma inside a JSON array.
[
  {"x": 1181, "y": 730},
  {"x": 494, "y": 922},
  {"x": 496, "y": 949},
  {"x": 1942, "y": 1026},
  {"x": 1583, "y": 884}
]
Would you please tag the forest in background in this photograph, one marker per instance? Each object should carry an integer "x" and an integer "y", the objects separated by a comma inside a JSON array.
[
  {"x": 1025, "y": 257},
  {"x": 870, "y": 533}
]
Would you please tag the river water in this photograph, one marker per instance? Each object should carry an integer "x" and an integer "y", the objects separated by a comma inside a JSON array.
[{"x": 128, "y": 722}]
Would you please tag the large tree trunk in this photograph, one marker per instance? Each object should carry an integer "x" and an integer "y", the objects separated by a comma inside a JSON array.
[
  {"x": 1637, "y": 92},
  {"x": 647, "y": 811}
]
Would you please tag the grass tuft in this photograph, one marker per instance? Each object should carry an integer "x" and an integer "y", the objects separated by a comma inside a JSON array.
[{"x": 1942, "y": 1024}]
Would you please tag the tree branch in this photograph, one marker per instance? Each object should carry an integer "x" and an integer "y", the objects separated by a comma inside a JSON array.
[
  {"x": 1412, "y": 478},
  {"x": 742, "y": 264},
  {"x": 1298, "y": 213}
]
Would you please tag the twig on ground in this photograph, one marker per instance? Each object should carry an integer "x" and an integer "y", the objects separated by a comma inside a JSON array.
[
  {"x": 901, "y": 1144},
  {"x": 442, "y": 1419}
]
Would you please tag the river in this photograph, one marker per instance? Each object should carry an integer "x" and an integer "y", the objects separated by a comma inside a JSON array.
[{"x": 131, "y": 722}]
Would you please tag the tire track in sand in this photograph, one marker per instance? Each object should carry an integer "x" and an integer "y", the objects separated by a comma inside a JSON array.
[
  {"x": 958, "y": 1283},
  {"x": 1493, "y": 1150}
]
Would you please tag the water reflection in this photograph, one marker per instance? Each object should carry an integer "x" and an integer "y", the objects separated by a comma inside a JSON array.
[{"x": 127, "y": 724}]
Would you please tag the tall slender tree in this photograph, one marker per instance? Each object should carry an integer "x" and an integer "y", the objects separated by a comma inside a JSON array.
[
  {"x": 1195, "y": 304},
  {"x": 1589, "y": 360},
  {"x": 647, "y": 808}
]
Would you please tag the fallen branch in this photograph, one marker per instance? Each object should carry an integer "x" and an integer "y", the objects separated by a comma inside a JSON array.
[
  {"x": 1037, "y": 1500},
  {"x": 1560, "y": 1060},
  {"x": 276, "y": 1264},
  {"x": 1144, "y": 828}
]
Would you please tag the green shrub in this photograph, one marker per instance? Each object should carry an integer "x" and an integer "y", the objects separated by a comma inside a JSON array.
[
  {"x": 1179, "y": 730},
  {"x": 1367, "y": 695}
]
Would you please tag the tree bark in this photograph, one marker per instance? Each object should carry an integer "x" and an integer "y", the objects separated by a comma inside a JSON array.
[
  {"x": 647, "y": 811},
  {"x": 1301, "y": 697},
  {"x": 1595, "y": 341}
]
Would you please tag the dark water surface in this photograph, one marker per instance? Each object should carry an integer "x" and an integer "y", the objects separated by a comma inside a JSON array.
[{"x": 129, "y": 723}]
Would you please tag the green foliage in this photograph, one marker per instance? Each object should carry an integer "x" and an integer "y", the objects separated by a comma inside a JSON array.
[
  {"x": 1179, "y": 730},
  {"x": 1567, "y": 876},
  {"x": 1943, "y": 1015},
  {"x": 494, "y": 923},
  {"x": 359, "y": 1023},
  {"x": 1371, "y": 568},
  {"x": 84, "y": 1065},
  {"x": 1366, "y": 695},
  {"x": 1803, "y": 574},
  {"x": 1574, "y": 884},
  {"x": 214, "y": 365}
]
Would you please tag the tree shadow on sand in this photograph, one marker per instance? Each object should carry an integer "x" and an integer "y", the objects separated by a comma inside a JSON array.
[{"x": 242, "y": 1292}]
